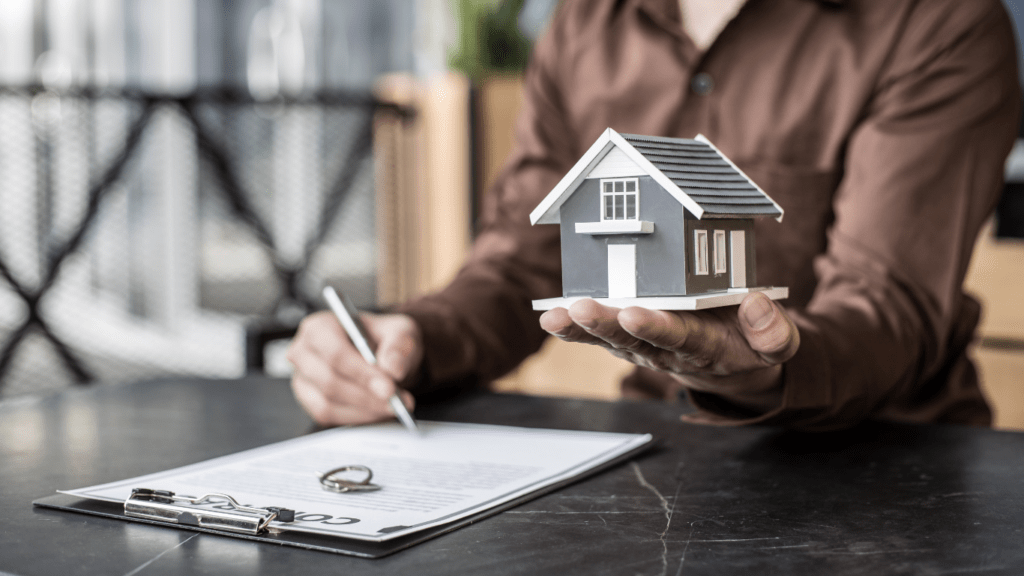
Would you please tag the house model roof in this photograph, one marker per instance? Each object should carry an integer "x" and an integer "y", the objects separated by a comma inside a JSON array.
[{"x": 696, "y": 173}]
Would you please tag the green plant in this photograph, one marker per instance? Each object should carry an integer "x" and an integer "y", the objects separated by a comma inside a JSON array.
[{"x": 489, "y": 38}]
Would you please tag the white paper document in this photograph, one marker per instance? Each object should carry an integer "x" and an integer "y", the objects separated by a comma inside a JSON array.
[{"x": 444, "y": 473}]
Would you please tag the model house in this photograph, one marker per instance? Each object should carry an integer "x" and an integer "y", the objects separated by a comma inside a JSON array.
[{"x": 669, "y": 221}]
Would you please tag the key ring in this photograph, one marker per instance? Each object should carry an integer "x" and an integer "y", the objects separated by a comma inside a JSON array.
[{"x": 333, "y": 484}]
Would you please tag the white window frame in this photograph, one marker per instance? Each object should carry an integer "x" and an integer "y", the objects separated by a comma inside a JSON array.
[
  {"x": 700, "y": 257},
  {"x": 635, "y": 193},
  {"x": 721, "y": 256}
]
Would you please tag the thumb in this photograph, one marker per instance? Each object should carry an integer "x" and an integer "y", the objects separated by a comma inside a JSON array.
[{"x": 768, "y": 329}]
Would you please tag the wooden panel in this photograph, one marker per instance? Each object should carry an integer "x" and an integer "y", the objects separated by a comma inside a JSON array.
[
  {"x": 395, "y": 164},
  {"x": 499, "y": 101},
  {"x": 444, "y": 106},
  {"x": 1002, "y": 378},
  {"x": 422, "y": 179},
  {"x": 996, "y": 279}
]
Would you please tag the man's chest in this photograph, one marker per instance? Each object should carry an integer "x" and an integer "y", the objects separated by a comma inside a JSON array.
[{"x": 788, "y": 93}]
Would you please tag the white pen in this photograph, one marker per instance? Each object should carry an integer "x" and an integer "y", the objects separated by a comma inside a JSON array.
[{"x": 348, "y": 316}]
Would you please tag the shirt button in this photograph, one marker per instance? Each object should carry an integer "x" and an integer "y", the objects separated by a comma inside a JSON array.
[{"x": 702, "y": 83}]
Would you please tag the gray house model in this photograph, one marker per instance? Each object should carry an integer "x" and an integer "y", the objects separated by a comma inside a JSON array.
[{"x": 663, "y": 223}]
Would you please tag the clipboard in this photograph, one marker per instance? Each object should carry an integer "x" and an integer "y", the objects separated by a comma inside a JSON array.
[{"x": 324, "y": 543}]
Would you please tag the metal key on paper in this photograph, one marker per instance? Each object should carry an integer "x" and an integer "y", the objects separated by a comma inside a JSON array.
[{"x": 329, "y": 481}]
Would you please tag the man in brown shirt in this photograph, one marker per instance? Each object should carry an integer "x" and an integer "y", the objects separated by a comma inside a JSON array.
[{"x": 880, "y": 126}]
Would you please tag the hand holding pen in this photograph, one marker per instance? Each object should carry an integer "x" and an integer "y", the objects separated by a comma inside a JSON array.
[
  {"x": 348, "y": 317},
  {"x": 335, "y": 382}
]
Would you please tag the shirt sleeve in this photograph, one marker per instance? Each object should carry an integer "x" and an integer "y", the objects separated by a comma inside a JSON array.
[
  {"x": 482, "y": 324},
  {"x": 923, "y": 171}
]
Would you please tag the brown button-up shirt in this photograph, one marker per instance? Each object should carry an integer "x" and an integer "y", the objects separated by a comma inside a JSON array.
[{"x": 880, "y": 126}]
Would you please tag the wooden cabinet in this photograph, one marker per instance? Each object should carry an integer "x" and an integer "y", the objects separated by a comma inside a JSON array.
[{"x": 996, "y": 279}]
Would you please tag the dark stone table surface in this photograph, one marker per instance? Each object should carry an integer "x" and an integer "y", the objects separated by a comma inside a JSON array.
[{"x": 878, "y": 499}]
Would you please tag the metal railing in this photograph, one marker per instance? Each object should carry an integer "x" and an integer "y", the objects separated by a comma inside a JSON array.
[{"x": 127, "y": 218}]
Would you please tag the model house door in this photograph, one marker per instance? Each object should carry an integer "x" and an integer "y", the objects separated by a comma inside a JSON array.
[
  {"x": 622, "y": 270},
  {"x": 738, "y": 256}
]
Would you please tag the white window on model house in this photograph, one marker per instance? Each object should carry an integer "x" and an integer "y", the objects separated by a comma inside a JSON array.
[
  {"x": 738, "y": 245},
  {"x": 721, "y": 258},
  {"x": 619, "y": 199},
  {"x": 700, "y": 252}
]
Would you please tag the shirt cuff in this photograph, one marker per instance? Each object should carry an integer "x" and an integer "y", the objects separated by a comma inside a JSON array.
[
  {"x": 806, "y": 394},
  {"x": 445, "y": 356}
]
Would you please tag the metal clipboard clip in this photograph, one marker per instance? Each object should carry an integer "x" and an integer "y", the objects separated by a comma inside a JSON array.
[{"x": 164, "y": 506}]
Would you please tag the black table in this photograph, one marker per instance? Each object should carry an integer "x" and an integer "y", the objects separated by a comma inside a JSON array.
[{"x": 880, "y": 499}]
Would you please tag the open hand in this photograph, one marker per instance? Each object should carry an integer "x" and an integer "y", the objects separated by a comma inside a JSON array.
[
  {"x": 332, "y": 381},
  {"x": 734, "y": 352}
]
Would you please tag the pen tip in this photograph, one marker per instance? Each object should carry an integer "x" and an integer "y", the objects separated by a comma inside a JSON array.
[{"x": 402, "y": 414}]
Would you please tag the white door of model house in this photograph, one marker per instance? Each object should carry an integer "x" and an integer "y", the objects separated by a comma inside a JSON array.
[
  {"x": 622, "y": 270},
  {"x": 738, "y": 252}
]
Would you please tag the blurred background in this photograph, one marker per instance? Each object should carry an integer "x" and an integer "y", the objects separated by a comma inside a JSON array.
[{"x": 180, "y": 178}]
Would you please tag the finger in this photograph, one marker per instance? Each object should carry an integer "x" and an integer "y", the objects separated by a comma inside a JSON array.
[
  {"x": 400, "y": 351},
  {"x": 603, "y": 322},
  {"x": 337, "y": 389},
  {"x": 681, "y": 333},
  {"x": 323, "y": 337},
  {"x": 407, "y": 399},
  {"x": 704, "y": 343},
  {"x": 321, "y": 334},
  {"x": 309, "y": 363},
  {"x": 323, "y": 354},
  {"x": 558, "y": 323},
  {"x": 768, "y": 329},
  {"x": 326, "y": 412}
]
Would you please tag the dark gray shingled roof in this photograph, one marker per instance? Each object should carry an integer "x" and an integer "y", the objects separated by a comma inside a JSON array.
[{"x": 704, "y": 175}]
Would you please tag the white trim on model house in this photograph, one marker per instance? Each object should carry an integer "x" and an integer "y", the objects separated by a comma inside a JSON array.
[
  {"x": 738, "y": 244},
  {"x": 721, "y": 257},
  {"x": 700, "y": 252}
]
